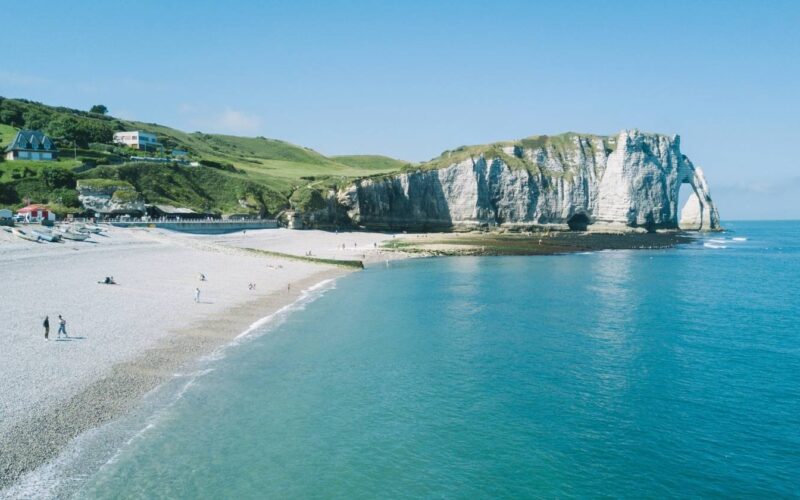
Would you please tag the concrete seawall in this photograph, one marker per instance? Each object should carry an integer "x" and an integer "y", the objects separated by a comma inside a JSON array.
[{"x": 204, "y": 227}]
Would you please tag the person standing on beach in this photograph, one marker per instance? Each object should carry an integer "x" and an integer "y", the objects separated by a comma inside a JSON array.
[
  {"x": 62, "y": 326},
  {"x": 46, "y": 326},
  {"x": 197, "y": 295}
]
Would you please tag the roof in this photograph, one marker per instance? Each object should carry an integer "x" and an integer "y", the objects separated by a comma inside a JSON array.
[
  {"x": 135, "y": 132},
  {"x": 31, "y": 208},
  {"x": 169, "y": 209},
  {"x": 31, "y": 140}
]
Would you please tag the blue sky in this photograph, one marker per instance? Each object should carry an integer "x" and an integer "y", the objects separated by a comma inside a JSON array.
[{"x": 410, "y": 79}]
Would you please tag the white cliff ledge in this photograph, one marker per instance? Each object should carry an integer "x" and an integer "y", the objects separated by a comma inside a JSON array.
[{"x": 628, "y": 182}]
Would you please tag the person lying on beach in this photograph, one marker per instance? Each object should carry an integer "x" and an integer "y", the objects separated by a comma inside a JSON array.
[{"x": 108, "y": 281}]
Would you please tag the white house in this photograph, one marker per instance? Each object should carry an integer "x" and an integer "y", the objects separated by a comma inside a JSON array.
[
  {"x": 31, "y": 145},
  {"x": 137, "y": 139}
]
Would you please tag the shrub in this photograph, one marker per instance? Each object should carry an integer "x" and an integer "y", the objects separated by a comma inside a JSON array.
[
  {"x": 55, "y": 177},
  {"x": 229, "y": 167},
  {"x": 8, "y": 194},
  {"x": 104, "y": 183},
  {"x": 89, "y": 162},
  {"x": 307, "y": 199},
  {"x": 65, "y": 197},
  {"x": 99, "y": 146},
  {"x": 125, "y": 196}
]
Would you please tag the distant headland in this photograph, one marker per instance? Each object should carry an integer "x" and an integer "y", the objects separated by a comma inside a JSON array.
[{"x": 90, "y": 163}]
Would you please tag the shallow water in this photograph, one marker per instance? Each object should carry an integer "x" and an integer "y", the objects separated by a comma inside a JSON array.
[{"x": 625, "y": 373}]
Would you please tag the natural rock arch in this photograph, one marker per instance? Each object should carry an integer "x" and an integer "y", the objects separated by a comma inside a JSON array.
[{"x": 699, "y": 212}]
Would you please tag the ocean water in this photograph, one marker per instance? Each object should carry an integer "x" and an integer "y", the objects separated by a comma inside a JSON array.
[{"x": 671, "y": 373}]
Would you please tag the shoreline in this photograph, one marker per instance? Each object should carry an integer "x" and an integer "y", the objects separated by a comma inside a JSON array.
[
  {"x": 47, "y": 427},
  {"x": 553, "y": 243},
  {"x": 128, "y": 338},
  {"x": 34, "y": 441}
]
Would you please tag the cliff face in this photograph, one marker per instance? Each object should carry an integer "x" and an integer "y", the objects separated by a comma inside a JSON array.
[{"x": 580, "y": 181}]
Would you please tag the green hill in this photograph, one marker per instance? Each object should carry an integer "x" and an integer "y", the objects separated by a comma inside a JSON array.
[
  {"x": 237, "y": 174},
  {"x": 373, "y": 163}
]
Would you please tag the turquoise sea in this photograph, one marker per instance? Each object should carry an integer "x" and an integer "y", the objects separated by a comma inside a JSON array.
[{"x": 670, "y": 373}]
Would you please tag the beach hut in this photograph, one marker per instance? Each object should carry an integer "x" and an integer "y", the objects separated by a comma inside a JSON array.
[
  {"x": 5, "y": 213},
  {"x": 36, "y": 213}
]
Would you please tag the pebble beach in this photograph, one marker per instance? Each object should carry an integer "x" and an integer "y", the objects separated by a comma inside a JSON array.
[{"x": 125, "y": 339}]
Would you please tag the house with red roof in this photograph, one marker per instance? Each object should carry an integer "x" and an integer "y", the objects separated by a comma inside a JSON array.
[{"x": 36, "y": 213}]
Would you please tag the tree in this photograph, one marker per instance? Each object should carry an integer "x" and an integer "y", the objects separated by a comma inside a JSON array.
[
  {"x": 11, "y": 114},
  {"x": 35, "y": 119},
  {"x": 68, "y": 129},
  {"x": 99, "y": 109},
  {"x": 80, "y": 130},
  {"x": 55, "y": 177}
]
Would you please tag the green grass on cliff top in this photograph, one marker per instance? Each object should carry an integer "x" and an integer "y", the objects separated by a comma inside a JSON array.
[
  {"x": 563, "y": 146},
  {"x": 373, "y": 163}
]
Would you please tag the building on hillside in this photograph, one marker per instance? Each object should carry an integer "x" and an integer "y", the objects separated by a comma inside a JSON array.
[
  {"x": 137, "y": 139},
  {"x": 36, "y": 213},
  {"x": 31, "y": 145}
]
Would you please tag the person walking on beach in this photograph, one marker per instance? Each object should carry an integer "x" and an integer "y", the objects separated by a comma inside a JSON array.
[
  {"x": 197, "y": 295},
  {"x": 46, "y": 326},
  {"x": 62, "y": 326}
]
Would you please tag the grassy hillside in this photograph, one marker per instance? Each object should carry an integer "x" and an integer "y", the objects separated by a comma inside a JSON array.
[
  {"x": 372, "y": 163},
  {"x": 203, "y": 189},
  {"x": 7, "y": 133},
  {"x": 238, "y": 174}
]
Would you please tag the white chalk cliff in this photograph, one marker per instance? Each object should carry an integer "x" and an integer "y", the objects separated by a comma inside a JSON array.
[
  {"x": 572, "y": 180},
  {"x": 110, "y": 199}
]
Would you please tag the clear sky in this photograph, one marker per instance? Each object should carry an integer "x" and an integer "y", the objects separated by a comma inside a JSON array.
[{"x": 411, "y": 78}]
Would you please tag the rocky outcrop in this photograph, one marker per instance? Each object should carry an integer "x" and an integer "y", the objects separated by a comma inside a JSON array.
[
  {"x": 110, "y": 199},
  {"x": 571, "y": 181},
  {"x": 699, "y": 213}
]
